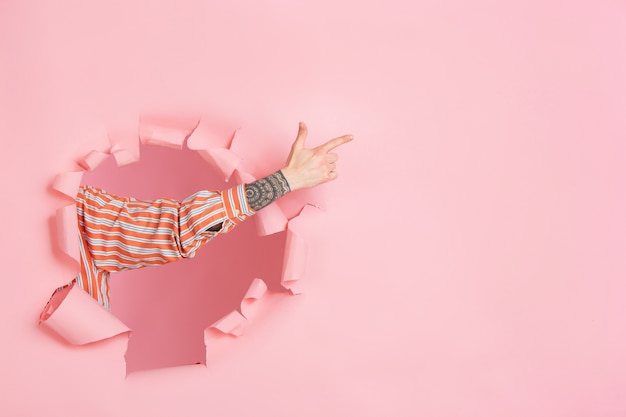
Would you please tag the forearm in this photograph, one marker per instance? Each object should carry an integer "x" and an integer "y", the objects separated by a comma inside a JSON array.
[{"x": 265, "y": 191}]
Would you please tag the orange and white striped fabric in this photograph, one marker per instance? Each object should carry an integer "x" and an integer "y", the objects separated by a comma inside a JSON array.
[{"x": 121, "y": 233}]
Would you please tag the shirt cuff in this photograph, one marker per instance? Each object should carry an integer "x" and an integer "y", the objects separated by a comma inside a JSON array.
[{"x": 236, "y": 204}]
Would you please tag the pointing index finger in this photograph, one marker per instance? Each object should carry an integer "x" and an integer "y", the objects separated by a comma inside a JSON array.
[{"x": 333, "y": 143}]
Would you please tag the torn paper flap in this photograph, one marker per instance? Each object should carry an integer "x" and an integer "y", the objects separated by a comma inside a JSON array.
[
  {"x": 68, "y": 183},
  {"x": 270, "y": 220},
  {"x": 217, "y": 344},
  {"x": 296, "y": 251},
  {"x": 205, "y": 137},
  {"x": 232, "y": 323},
  {"x": 92, "y": 160},
  {"x": 223, "y": 160},
  {"x": 166, "y": 132},
  {"x": 257, "y": 289},
  {"x": 124, "y": 146},
  {"x": 67, "y": 231},
  {"x": 124, "y": 157},
  {"x": 219, "y": 336},
  {"x": 294, "y": 262},
  {"x": 78, "y": 318},
  {"x": 244, "y": 177}
]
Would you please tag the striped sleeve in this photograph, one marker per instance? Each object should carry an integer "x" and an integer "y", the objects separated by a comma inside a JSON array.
[{"x": 123, "y": 233}]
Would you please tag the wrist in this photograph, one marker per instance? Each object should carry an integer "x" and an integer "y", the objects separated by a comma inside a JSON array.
[
  {"x": 290, "y": 178},
  {"x": 265, "y": 191}
]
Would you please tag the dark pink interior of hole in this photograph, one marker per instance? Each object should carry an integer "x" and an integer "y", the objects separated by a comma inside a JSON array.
[{"x": 168, "y": 307}]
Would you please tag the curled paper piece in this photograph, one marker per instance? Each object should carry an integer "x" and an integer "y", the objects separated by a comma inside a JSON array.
[
  {"x": 296, "y": 252},
  {"x": 257, "y": 289},
  {"x": 124, "y": 157},
  {"x": 234, "y": 322},
  {"x": 124, "y": 146},
  {"x": 78, "y": 318},
  {"x": 92, "y": 160},
  {"x": 168, "y": 132},
  {"x": 294, "y": 263},
  {"x": 67, "y": 231},
  {"x": 68, "y": 183},
  {"x": 219, "y": 336}
]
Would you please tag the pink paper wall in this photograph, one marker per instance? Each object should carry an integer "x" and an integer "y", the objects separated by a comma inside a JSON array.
[{"x": 471, "y": 260}]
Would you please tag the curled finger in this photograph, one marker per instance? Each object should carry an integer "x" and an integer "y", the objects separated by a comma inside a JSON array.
[{"x": 332, "y": 157}]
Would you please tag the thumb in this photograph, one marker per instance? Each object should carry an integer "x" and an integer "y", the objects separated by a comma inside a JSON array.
[{"x": 302, "y": 132}]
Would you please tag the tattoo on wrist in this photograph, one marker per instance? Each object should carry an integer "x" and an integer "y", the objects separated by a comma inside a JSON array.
[{"x": 263, "y": 192}]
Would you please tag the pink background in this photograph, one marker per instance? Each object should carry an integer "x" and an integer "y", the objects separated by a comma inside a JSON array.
[{"x": 473, "y": 256}]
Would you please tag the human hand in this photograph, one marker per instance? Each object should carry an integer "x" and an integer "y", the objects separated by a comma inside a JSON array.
[{"x": 307, "y": 168}]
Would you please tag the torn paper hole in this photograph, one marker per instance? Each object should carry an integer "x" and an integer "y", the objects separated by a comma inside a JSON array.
[{"x": 126, "y": 149}]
